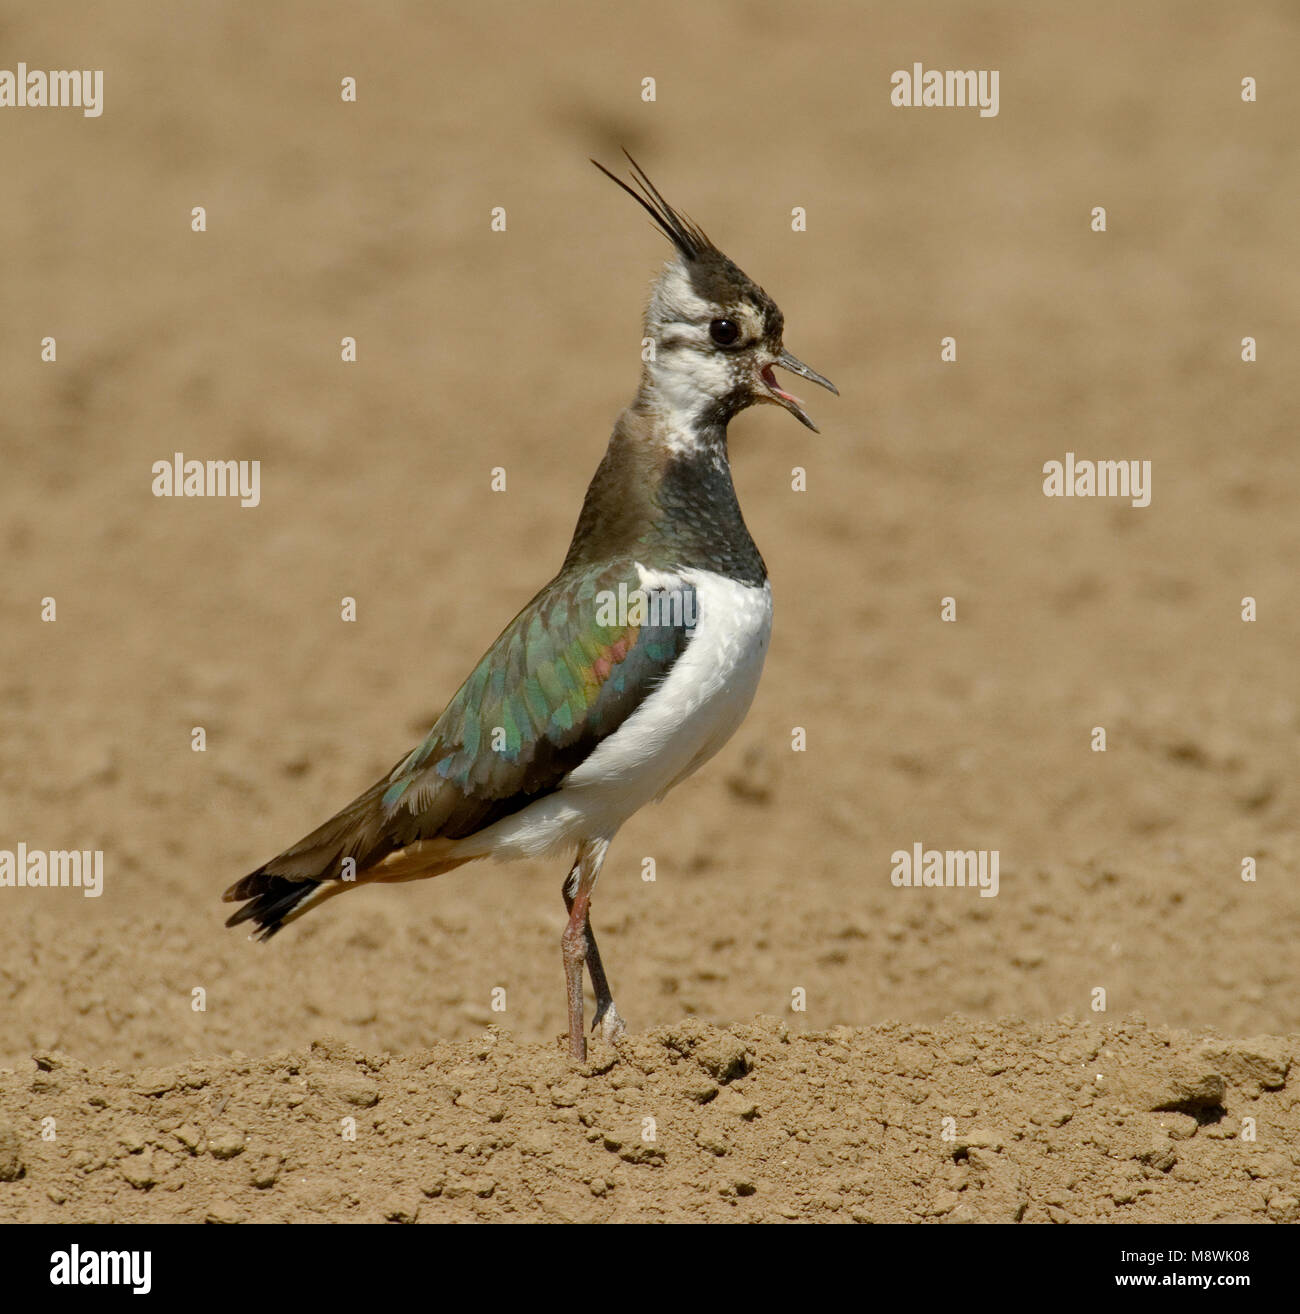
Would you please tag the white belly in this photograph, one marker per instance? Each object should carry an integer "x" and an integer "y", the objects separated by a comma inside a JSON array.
[{"x": 677, "y": 729}]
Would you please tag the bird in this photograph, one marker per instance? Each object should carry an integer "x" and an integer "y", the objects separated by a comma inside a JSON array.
[{"x": 626, "y": 673}]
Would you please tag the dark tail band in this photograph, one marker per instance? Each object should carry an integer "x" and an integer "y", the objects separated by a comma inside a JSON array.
[{"x": 271, "y": 900}]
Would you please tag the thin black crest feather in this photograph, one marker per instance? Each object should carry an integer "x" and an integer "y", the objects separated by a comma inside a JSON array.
[{"x": 686, "y": 236}]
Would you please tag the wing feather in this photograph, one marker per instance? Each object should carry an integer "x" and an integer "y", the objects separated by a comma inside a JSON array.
[{"x": 561, "y": 677}]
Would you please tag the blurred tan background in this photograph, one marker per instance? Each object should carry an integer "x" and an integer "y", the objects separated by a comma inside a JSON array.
[{"x": 481, "y": 349}]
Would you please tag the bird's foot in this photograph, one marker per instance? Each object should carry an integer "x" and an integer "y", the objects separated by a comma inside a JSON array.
[{"x": 608, "y": 1022}]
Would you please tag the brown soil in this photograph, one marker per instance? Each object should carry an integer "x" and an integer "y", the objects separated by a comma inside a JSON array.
[
  {"x": 964, "y": 1121},
  {"x": 1120, "y": 871}
]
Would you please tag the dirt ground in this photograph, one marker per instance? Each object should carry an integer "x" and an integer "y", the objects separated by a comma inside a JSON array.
[
  {"x": 961, "y": 1122},
  {"x": 1072, "y": 1028}
]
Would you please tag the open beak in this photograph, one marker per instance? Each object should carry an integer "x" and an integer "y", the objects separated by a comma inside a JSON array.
[{"x": 788, "y": 400}]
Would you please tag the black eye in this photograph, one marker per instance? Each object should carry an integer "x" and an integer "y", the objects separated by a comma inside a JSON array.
[{"x": 724, "y": 331}]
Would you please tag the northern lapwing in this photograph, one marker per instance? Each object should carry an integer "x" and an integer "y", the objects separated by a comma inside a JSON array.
[{"x": 627, "y": 672}]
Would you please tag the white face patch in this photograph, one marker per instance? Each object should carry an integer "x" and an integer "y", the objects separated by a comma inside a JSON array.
[
  {"x": 689, "y": 370},
  {"x": 673, "y": 299}
]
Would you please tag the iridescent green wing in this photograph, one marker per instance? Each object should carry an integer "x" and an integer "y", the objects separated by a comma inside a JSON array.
[{"x": 567, "y": 672}]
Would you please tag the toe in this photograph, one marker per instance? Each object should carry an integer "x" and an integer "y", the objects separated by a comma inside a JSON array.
[{"x": 612, "y": 1025}]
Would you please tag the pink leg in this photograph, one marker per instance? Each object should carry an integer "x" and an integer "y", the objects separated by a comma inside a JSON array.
[{"x": 578, "y": 945}]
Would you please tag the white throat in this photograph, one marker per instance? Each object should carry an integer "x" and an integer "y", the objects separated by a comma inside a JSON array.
[{"x": 685, "y": 374}]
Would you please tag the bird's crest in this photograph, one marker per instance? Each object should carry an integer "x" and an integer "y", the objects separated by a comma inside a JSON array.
[{"x": 689, "y": 239}]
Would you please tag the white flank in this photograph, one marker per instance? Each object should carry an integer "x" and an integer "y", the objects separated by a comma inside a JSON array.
[{"x": 675, "y": 731}]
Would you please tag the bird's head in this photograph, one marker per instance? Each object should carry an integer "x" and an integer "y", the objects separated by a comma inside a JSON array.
[{"x": 716, "y": 335}]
